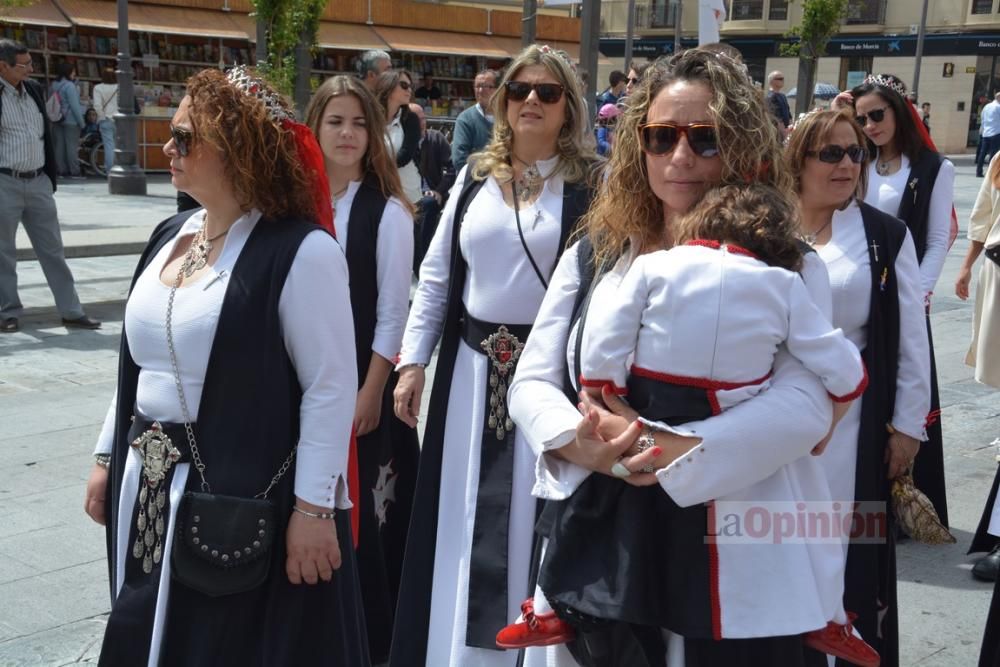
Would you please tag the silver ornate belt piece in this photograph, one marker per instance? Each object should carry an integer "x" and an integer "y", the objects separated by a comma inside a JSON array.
[
  {"x": 158, "y": 455},
  {"x": 503, "y": 349}
]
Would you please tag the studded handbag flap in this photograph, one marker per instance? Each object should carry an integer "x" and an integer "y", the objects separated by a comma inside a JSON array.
[{"x": 223, "y": 544}]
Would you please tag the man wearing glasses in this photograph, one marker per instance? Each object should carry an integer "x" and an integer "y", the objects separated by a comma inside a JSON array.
[
  {"x": 474, "y": 126},
  {"x": 27, "y": 181},
  {"x": 776, "y": 100}
]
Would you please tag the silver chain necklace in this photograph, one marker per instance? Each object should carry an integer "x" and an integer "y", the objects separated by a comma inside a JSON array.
[{"x": 189, "y": 259}]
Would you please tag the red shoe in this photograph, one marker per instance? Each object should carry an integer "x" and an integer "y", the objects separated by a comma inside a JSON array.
[
  {"x": 840, "y": 641},
  {"x": 535, "y": 629}
]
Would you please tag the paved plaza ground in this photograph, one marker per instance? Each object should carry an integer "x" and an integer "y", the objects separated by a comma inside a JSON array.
[{"x": 55, "y": 386}]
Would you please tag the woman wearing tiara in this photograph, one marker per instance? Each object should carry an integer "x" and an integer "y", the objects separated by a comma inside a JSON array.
[
  {"x": 909, "y": 179},
  {"x": 204, "y": 572}
]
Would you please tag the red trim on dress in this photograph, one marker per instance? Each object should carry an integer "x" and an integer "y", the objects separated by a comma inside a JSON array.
[
  {"x": 600, "y": 384},
  {"x": 700, "y": 383},
  {"x": 716, "y": 245},
  {"x": 713, "y": 402},
  {"x": 715, "y": 600},
  {"x": 847, "y": 398},
  {"x": 932, "y": 417}
]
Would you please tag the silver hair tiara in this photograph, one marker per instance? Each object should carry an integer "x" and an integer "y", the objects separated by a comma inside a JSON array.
[
  {"x": 886, "y": 82},
  {"x": 257, "y": 88},
  {"x": 545, "y": 48}
]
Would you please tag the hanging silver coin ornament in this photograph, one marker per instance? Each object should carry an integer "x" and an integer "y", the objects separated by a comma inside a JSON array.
[
  {"x": 503, "y": 349},
  {"x": 158, "y": 455}
]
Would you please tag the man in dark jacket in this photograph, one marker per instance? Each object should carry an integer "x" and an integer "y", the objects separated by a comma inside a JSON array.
[
  {"x": 776, "y": 100},
  {"x": 437, "y": 175},
  {"x": 27, "y": 182}
]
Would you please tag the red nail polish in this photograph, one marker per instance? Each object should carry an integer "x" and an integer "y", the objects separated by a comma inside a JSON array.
[{"x": 656, "y": 451}]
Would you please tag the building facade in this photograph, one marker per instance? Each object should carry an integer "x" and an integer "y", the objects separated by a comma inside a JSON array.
[{"x": 960, "y": 69}]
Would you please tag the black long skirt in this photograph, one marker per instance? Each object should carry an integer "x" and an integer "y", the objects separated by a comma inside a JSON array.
[
  {"x": 387, "y": 473},
  {"x": 989, "y": 654},
  {"x": 928, "y": 467}
]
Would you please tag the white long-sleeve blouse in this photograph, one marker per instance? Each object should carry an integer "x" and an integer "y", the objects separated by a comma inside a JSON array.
[
  {"x": 315, "y": 313},
  {"x": 393, "y": 267},
  {"x": 886, "y": 192}
]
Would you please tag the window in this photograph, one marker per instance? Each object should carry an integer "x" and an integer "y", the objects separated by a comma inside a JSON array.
[
  {"x": 662, "y": 14},
  {"x": 982, "y": 6},
  {"x": 778, "y": 10},
  {"x": 853, "y": 71},
  {"x": 865, "y": 12},
  {"x": 746, "y": 10}
]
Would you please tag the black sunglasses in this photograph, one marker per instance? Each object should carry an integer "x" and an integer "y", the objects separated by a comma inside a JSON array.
[
  {"x": 662, "y": 138},
  {"x": 632, "y": 80},
  {"x": 548, "y": 93},
  {"x": 405, "y": 85},
  {"x": 833, "y": 154},
  {"x": 876, "y": 116},
  {"x": 182, "y": 140}
]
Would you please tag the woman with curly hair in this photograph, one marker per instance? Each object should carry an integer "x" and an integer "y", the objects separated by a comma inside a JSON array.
[
  {"x": 375, "y": 227},
  {"x": 509, "y": 215},
  {"x": 222, "y": 468},
  {"x": 757, "y": 450},
  {"x": 878, "y": 303}
]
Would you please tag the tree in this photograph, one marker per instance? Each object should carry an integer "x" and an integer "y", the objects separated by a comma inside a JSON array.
[
  {"x": 290, "y": 26},
  {"x": 821, "y": 20}
]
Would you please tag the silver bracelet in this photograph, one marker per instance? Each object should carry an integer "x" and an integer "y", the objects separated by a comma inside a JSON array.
[
  {"x": 328, "y": 516},
  {"x": 413, "y": 365},
  {"x": 103, "y": 460}
]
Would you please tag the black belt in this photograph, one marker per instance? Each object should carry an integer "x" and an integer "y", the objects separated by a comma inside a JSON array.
[
  {"x": 487, "y": 614},
  {"x": 26, "y": 175},
  {"x": 994, "y": 253}
]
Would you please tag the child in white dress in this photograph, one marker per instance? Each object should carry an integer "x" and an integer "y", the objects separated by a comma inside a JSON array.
[{"x": 684, "y": 334}]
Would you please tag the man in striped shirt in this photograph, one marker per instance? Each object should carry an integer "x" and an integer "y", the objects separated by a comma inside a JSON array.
[{"x": 27, "y": 181}]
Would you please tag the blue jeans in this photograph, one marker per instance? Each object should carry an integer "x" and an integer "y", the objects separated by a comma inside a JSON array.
[{"x": 107, "y": 128}]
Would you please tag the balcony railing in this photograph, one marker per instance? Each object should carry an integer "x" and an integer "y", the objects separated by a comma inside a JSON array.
[
  {"x": 865, "y": 12},
  {"x": 661, "y": 14}
]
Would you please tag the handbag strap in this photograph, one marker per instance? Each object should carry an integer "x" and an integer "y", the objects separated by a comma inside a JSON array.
[
  {"x": 185, "y": 413},
  {"x": 524, "y": 243}
]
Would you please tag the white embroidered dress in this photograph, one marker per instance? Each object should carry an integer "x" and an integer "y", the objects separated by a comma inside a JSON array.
[{"x": 502, "y": 287}]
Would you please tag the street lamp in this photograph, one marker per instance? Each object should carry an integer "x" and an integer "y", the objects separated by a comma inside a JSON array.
[{"x": 125, "y": 177}]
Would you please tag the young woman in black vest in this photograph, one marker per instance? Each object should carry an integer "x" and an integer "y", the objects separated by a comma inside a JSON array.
[
  {"x": 375, "y": 227},
  {"x": 393, "y": 90},
  {"x": 910, "y": 180},
  {"x": 236, "y": 382},
  {"x": 703, "y": 123},
  {"x": 878, "y": 303},
  {"x": 504, "y": 226}
]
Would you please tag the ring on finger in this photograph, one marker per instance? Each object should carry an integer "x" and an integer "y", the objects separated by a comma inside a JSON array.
[{"x": 619, "y": 470}]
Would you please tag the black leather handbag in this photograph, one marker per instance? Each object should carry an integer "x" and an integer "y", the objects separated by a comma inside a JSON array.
[{"x": 222, "y": 544}]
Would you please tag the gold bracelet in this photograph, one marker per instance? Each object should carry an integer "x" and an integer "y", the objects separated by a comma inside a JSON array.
[
  {"x": 328, "y": 516},
  {"x": 646, "y": 441},
  {"x": 103, "y": 460}
]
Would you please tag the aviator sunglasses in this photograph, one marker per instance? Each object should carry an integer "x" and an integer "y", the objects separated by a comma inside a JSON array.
[
  {"x": 876, "y": 116},
  {"x": 834, "y": 154},
  {"x": 662, "y": 138},
  {"x": 182, "y": 140},
  {"x": 548, "y": 93}
]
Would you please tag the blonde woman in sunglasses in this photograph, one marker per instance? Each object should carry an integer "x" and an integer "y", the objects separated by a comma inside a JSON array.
[
  {"x": 695, "y": 122},
  {"x": 510, "y": 212}
]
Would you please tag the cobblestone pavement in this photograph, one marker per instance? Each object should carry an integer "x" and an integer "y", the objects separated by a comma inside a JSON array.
[{"x": 55, "y": 386}]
